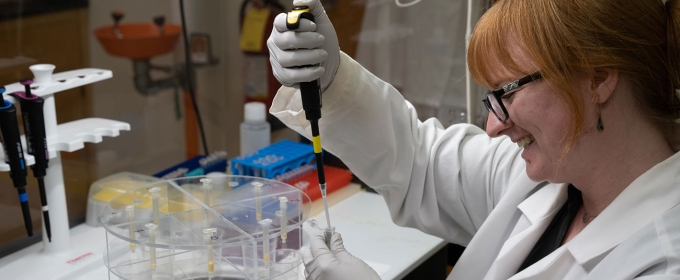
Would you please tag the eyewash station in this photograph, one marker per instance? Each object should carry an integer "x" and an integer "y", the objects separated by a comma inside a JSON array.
[{"x": 202, "y": 214}]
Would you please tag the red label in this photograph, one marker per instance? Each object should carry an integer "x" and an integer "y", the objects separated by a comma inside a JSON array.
[{"x": 79, "y": 258}]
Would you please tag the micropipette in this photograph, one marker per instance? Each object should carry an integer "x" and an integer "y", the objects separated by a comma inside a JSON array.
[
  {"x": 209, "y": 237},
  {"x": 36, "y": 142},
  {"x": 14, "y": 155},
  {"x": 311, "y": 103}
]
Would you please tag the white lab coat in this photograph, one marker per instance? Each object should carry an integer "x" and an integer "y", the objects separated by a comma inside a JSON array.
[{"x": 469, "y": 189}]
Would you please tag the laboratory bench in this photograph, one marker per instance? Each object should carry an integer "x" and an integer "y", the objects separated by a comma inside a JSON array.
[{"x": 361, "y": 217}]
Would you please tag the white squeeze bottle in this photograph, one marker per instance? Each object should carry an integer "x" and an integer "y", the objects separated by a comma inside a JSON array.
[{"x": 255, "y": 130}]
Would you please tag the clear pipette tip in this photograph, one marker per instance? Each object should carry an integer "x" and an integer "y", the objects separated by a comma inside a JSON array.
[{"x": 325, "y": 204}]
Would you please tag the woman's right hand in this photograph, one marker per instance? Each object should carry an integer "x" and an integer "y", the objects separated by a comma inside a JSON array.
[{"x": 313, "y": 43}]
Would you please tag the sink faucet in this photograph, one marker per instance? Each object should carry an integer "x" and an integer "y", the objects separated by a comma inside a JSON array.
[
  {"x": 159, "y": 20},
  {"x": 117, "y": 16}
]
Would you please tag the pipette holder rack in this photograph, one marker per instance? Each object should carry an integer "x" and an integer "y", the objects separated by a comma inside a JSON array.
[
  {"x": 66, "y": 137},
  {"x": 273, "y": 160},
  {"x": 187, "y": 211}
]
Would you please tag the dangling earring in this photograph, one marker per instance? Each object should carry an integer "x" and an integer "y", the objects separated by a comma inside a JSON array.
[{"x": 600, "y": 126}]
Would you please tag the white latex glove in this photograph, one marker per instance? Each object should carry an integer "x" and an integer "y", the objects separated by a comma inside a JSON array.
[
  {"x": 334, "y": 263},
  {"x": 311, "y": 44}
]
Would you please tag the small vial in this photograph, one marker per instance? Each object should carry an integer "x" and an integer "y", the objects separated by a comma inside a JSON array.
[
  {"x": 265, "y": 242},
  {"x": 209, "y": 235},
  {"x": 207, "y": 187},
  {"x": 130, "y": 209},
  {"x": 152, "y": 239},
  {"x": 154, "y": 199},
  {"x": 257, "y": 188},
  {"x": 283, "y": 204}
]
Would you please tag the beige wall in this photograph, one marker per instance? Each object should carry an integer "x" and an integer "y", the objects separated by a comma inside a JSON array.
[{"x": 157, "y": 137}]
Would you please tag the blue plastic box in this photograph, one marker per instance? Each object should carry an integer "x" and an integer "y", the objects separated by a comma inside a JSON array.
[{"x": 273, "y": 160}]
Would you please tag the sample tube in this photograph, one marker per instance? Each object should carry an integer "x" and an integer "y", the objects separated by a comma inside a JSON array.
[
  {"x": 209, "y": 237},
  {"x": 265, "y": 241},
  {"x": 257, "y": 188},
  {"x": 283, "y": 204},
  {"x": 152, "y": 239},
  {"x": 154, "y": 200},
  {"x": 207, "y": 187},
  {"x": 130, "y": 209}
]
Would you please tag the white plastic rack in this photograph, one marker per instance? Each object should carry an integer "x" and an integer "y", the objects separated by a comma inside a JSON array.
[{"x": 66, "y": 256}]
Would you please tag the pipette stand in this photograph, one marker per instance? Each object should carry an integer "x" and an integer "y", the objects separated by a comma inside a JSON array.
[{"x": 66, "y": 256}]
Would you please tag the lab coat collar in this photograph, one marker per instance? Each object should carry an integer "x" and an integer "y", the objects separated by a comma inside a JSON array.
[
  {"x": 539, "y": 209},
  {"x": 649, "y": 196}
]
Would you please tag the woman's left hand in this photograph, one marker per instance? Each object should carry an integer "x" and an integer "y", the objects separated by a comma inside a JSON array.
[{"x": 334, "y": 263}]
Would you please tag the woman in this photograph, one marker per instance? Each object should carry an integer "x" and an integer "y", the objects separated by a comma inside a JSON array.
[{"x": 575, "y": 177}]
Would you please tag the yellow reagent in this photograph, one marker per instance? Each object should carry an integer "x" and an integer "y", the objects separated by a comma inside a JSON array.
[
  {"x": 265, "y": 241},
  {"x": 209, "y": 236},
  {"x": 152, "y": 239},
  {"x": 130, "y": 209}
]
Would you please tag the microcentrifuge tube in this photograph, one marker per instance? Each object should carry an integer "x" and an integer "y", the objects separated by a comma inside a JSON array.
[
  {"x": 265, "y": 242},
  {"x": 152, "y": 239},
  {"x": 207, "y": 187},
  {"x": 208, "y": 237},
  {"x": 130, "y": 209},
  {"x": 257, "y": 188},
  {"x": 154, "y": 199},
  {"x": 283, "y": 203}
]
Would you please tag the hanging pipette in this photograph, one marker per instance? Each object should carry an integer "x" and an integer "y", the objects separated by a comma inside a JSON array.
[
  {"x": 14, "y": 155},
  {"x": 130, "y": 209},
  {"x": 36, "y": 142},
  {"x": 311, "y": 103},
  {"x": 209, "y": 236}
]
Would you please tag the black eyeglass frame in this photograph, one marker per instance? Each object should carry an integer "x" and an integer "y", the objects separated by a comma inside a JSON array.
[{"x": 505, "y": 89}]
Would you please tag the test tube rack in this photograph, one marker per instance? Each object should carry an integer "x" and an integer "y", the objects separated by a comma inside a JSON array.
[
  {"x": 203, "y": 228},
  {"x": 273, "y": 160},
  {"x": 66, "y": 256}
]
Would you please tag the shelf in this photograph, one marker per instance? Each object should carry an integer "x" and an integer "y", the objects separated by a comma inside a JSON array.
[
  {"x": 61, "y": 81},
  {"x": 72, "y": 136}
]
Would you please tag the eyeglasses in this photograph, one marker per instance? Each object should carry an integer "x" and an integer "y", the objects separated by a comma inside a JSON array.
[{"x": 493, "y": 100}]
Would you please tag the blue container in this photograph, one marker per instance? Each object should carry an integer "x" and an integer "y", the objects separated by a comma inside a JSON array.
[{"x": 273, "y": 160}]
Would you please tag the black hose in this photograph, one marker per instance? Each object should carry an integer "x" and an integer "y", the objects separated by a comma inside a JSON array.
[{"x": 190, "y": 82}]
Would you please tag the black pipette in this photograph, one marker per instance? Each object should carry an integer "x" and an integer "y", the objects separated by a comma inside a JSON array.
[
  {"x": 36, "y": 142},
  {"x": 14, "y": 155},
  {"x": 311, "y": 103}
]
